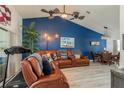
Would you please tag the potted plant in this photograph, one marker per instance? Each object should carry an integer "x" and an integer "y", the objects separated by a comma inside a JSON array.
[{"x": 30, "y": 36}]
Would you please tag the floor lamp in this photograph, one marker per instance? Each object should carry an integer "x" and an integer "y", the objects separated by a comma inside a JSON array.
[
  {"x": 48, "y": 38},
  {"x": 11, "y": 51}
]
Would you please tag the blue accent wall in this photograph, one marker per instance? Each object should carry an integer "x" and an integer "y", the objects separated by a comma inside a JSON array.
[{"x": 66, "y": 28}]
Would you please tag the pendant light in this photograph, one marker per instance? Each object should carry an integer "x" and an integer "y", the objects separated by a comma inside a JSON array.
[{"x": 105, "y": 36}]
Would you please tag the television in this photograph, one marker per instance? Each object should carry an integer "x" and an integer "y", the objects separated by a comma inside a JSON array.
[{"x": 94, "y": 43}]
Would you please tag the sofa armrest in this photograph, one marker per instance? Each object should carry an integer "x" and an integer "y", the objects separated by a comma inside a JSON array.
[{"x": 52, "y": 81}]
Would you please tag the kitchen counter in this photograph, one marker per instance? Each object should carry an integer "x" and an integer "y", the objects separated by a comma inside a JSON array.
[{"x": 117, "y": 78}]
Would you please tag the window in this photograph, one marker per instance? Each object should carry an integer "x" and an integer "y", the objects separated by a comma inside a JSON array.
[{"x": 4, "y": 43}]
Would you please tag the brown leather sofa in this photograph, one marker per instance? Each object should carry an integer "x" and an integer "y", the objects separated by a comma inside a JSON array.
[
  {"x": 33, "y": 75},
  {"x": 71, "y": 61}
]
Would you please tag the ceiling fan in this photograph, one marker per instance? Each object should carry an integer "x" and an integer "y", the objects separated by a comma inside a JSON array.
[
  {"x": 64, "y": 14},
  {"x": 51, "y": 12}
]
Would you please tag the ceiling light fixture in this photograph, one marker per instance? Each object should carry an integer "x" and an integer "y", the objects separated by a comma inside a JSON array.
[
  {"x": 64, "y": 16},
  {"x": 105, "y": 36}
]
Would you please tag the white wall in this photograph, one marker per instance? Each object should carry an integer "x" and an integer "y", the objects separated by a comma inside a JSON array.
[
  {"x": 121, "y": 32},
  {"x": 114, "y": 34},
  {"x": 15, "y": 39}
]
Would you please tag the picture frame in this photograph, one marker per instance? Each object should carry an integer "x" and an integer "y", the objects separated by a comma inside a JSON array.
[
  {"x": 94, "y": 43},
  {"x": 67, "y": 42}
]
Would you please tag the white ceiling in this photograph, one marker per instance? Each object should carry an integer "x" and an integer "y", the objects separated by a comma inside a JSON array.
[{"x": 100, "y": 16}]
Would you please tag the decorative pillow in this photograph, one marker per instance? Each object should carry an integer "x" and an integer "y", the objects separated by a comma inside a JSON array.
[
  {"x": 58, "y": 55},
  {"x": 47, "y": 57},
  {"x": 77, "y": 56},
  {"x": 63, "y": 55},
  {"x": 70, "y": 54},
  {"x": 47, "y": 66},
  {"x": 54, "y": 56},
  {"x": 50, "y": 59}
]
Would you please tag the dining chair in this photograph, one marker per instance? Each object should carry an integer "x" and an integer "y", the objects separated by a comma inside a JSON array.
[
  {"x": 96, "y": 58},
  {"x": 116, "y": 58},
  {"x": 107, "y": 58}
]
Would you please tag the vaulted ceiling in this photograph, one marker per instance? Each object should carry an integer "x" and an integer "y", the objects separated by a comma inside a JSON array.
[{"x": 100, "y": 16}]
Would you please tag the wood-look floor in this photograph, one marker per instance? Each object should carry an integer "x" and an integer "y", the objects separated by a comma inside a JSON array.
[{"x": 94, "y": 76}]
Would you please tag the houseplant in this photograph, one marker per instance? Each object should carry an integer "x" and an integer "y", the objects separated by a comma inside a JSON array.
[{"x": 30, "y": 36}]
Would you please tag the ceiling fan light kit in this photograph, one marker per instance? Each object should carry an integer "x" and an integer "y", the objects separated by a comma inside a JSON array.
[
  {"x": 64, "y": 15},
  {"x": 50, "y": 17}
]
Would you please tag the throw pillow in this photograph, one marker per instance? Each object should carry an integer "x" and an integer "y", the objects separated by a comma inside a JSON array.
[
  {"x": 49, "y": 57},
  {"x": 77, "y": 56},
  {"x": 58, "y": 55},
  {"x": 63, "y": 55},
  {"x": 54, "y": 56},
  {"x": 47, "y": 66}
]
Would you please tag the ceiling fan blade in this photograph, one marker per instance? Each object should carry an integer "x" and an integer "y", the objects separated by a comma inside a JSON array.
[
  {"x": 69, "y": 14},
  {"x": 72, "y": 18},
  {"x": 44, "y": 10},
  {"x": 81, "y": 17},
  {"x": 76, "y": 13},
  {"x": 56, "y": 11}
]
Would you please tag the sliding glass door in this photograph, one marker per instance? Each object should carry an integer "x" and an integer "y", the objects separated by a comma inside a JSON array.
[{"x": 4, "y": 43}]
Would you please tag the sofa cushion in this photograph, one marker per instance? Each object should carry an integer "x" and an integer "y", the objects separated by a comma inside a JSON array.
[
  {"x": 36, "y": 66},
  {"x": 64, "y": 62},
  {"x": 37, "y": 57},
  {"x": 28, "y": 73},
  {"x": 70, "y": 54}
]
